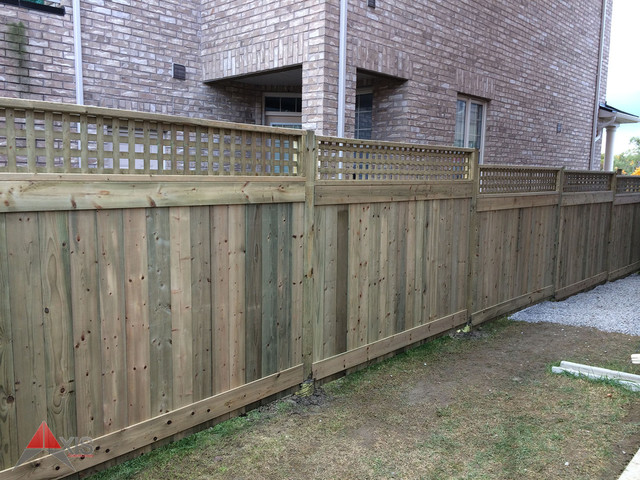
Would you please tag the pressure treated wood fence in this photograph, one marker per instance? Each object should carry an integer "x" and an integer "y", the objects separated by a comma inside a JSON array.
[{"x": 157, "y": 273}]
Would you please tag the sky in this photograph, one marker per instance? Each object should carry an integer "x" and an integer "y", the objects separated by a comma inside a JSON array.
[{"x": 623, "y": 83}]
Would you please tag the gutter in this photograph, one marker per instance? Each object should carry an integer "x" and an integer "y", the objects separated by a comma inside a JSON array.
[
  {"x": 342, "y": 67},
  {"x": 594, "y": 133},
  {"x": 77, "y": 50}
]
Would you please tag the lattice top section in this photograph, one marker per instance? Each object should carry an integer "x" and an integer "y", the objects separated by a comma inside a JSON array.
[
  {"x": 494, "y": 179},
  {"x": 628, "y": 184},
  {"x": 586, "y": 181},
  {"x": 71, "y": 139},
  {"x": 349, "y": 159}
]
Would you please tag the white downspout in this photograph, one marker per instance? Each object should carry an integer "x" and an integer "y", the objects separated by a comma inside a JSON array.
[
  {"x": 342, "y": 67},
  {"x": 77, "y": 50},
  {"x": 603, "y": 24}
]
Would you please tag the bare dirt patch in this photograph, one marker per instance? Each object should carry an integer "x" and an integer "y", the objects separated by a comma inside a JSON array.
[{"x": 478, "y": 406}]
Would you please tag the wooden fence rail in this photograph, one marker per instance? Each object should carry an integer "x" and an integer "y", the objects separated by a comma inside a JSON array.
[{"x": 156, "y": 286}]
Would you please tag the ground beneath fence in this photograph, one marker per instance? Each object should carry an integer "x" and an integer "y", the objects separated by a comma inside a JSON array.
[{"x": 475, "y": 406}]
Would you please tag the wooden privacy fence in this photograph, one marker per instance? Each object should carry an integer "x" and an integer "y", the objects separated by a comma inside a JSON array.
[{"x": 158, "y": 273}]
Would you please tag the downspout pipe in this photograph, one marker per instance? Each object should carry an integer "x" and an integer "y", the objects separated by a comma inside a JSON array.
[
  {"x": 603, "y": 27},
  {"x": 342, "y": 67},
  {"x": 77, "y": 50}
]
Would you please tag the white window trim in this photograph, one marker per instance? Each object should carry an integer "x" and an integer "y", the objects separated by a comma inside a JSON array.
[{"x": 467, "y": 120}]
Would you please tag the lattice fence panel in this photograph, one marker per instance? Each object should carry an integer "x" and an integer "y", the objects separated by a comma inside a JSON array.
[
  {"x": 630, "y": 184},
  {"x": 348, "y": 159},
  {"x": 494, "y": 179},
  {"x": 69, "y": 142},
  {"x": 586, "y": 181}
]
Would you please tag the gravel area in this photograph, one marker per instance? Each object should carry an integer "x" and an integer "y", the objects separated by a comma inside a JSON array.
[{"x": 612, "y": 307}]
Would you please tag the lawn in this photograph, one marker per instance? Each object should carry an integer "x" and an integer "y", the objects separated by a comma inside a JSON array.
[{"x": 482, "y": 405}]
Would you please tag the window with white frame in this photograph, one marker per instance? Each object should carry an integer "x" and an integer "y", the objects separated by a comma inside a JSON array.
[
  {"x": 470, "y": 124},
  {"x": 283, "y": 110}
]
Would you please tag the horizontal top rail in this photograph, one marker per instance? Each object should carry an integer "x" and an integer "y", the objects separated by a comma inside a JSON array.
[
  {"x": 39, "y": 137},
  {"x": 587, "y": 181},
  {"x": 351, "y": 159},
  {"x": 628, "y": 184},
  {"x": 515, "y": 179}
]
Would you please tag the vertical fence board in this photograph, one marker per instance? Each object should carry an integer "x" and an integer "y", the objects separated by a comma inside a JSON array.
[
  {"x": 401, "y": 264},
  {"x": 419, "y": 260},
  {"x": 220, "y": 297},
  {"x": 269, "y": 260},
  {"x": 444, "y": 258},
  {"x": 353, "y": 248},
  {"x": 58, "y": 332},
  {"x": 201, "y": 301},
  {"x": 392, "y": 260},
  {"x": 433, "y": 235},
  {"x": 237, "y": 294},
  {"x": 327, "y": 277},
  {"x": 112, "y": 318},
  {"x": 410, "y": 267},
  {"x": 297, "y": 273},
  {"x": 320, "y": 329},
  {"x": 342, "y": 278},
  {"x": 181, "y": 304},
  {"x": 253, "y": 265},
  {"x": 160, "y": 337},
  {"x": 364, "y": 250},
  {"x": 23, "y": 248},
  {"x": 283, "y": 283},
  {"x": 84, "y": 289},
  {"x": 383, "y": 271},
  {"x": 373, "y": 314},
  {"x": 8, "y": 426},
  {"x": 136, "y": 290}
]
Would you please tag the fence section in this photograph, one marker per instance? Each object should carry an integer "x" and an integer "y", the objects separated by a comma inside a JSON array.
[
  {"x": 135, "y": 313},
  {"x": 135, "y": 306},
  {"x": 514, "y": 241},
  {"x": 58, "y": 138}
]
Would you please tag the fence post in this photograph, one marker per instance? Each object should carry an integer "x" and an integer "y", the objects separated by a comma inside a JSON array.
[
  {"x": 310, "y": 168},
  {"x": 556, "y": 242},
  {"x": 614, "y": 188},
  {"x": 474, "y": 233}
]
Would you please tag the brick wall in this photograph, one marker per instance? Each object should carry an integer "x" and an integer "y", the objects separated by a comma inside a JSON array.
[
  {"x": 44, "y": 69},
  {"x": 128, "y": 50},
  {"x": 533, "y": 62}
]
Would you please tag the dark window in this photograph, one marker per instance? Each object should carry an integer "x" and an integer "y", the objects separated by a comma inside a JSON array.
[
  {"x": 364, "y": 116},
  {"x": 283, "y": 104},
  {"x": 49, "y": 6}
]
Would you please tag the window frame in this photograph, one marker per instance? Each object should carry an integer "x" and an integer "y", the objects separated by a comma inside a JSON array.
[
  {"x": 362, "y": 91},
  {"x": 467, "y": 120},
  {"x": 274, "y": 113}
]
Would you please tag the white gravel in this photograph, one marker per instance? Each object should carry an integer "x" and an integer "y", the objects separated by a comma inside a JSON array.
[{"x": 612, "y": 307}]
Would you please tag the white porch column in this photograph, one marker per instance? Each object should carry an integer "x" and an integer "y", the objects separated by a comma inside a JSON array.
[{"x": 608, "y": 149}]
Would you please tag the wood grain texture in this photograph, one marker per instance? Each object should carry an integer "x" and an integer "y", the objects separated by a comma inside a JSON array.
[
  {"x": 112, "y": 319},
  {"x": 29, "y": 360},
  {"x": 86, "y": 322},
  {"x": 136, "y": 290},
  {"x": 181, "y": 306},
  {"x": 201, "y": 311},
  {"x": 8, "y": 418},
  {"x": 58, "y": 330},
  {"x": 159, "y": 284}
]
